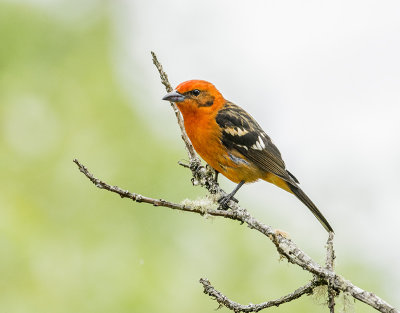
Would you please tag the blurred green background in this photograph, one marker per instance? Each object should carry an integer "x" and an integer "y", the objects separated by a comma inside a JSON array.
[{"x": 66, "y": 246}]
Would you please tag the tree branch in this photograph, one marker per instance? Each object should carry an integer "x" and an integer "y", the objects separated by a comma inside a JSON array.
[
  {"x": 203, "y": 176},
  {"x": 164, "y": 80},
  {"x": 237, "y": 307},
  {"x": 155, "y": 202},
  {"x": 286, "y": 247}
]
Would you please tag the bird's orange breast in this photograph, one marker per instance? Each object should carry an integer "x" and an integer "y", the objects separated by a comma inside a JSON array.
[{"x": 205, "y": 135}]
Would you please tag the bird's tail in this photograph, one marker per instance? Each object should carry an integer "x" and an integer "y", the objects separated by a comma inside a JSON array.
[{"x": 307, "y": 201}]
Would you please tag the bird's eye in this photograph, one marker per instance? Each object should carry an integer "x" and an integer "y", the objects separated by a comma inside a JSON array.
[{"x": 195, "y": 92}]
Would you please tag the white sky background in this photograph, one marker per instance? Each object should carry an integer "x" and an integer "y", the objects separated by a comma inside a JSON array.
[{"x": 323, "y": 80}]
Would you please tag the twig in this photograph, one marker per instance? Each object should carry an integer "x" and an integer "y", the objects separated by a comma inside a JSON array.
[
  {"x": 285, "y": 246},
  {"x": 194, "y": 159},
  {"x": 330, "y": 265},
  {"x": 202, "y": 175},
  {"x": 237, "y": 307},
  {"x": 155, "y": 202}
]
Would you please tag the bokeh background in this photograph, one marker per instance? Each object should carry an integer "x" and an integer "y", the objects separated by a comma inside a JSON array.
[{"x": 76, "y": 80}]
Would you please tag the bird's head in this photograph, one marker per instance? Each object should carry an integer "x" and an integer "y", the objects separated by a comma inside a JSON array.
[{"x": 196, "y": 95}]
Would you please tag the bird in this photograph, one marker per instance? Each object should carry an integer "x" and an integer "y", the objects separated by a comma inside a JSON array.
[{"x": 231, "y": 141}]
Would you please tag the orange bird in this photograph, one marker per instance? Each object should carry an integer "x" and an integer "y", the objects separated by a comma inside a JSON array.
[{"x": 232, "y": 142}]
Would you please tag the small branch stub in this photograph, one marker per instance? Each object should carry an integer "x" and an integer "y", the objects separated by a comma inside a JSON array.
[{"x": 330, "y": 264}]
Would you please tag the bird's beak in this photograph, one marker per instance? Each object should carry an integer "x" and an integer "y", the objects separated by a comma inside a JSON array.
[{"x": 174, "y": 96}]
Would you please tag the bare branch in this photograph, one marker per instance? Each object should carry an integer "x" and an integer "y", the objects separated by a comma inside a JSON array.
[
  {"x": 194, "y": 159},
  {"x": 237, "y": 307},
  {"x": 155, "y": 202},
  {"x": 285, "y": 246},
  {"x": 203, "y": 176}
]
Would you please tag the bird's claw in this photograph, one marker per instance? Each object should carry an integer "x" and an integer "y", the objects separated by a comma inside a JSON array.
[{"x": 224, "y": 202}]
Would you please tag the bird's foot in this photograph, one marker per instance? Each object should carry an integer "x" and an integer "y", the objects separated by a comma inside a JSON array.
[{"x": 224, "y": 201}]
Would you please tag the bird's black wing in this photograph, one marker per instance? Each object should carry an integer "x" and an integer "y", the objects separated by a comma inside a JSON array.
[{"x": 242, "y": 133}]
